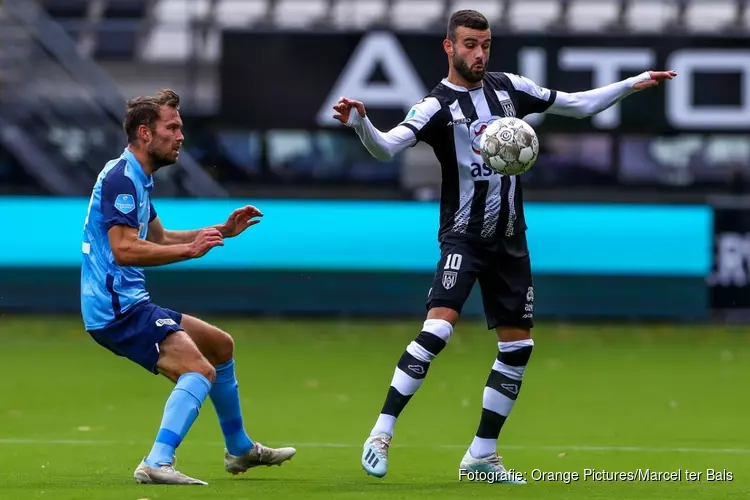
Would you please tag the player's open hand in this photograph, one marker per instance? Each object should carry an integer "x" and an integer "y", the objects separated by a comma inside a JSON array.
[
  {"x": 206, "y": 240},
  {"x": 239, "y": 220},
  {"x": 344, "y": 107},
  {"x": 656, "y": 77}
]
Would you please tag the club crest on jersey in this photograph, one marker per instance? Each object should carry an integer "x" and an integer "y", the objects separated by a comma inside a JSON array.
[
  {"x": 449, "y": 279},
  {"x": 508, "y": 108}
]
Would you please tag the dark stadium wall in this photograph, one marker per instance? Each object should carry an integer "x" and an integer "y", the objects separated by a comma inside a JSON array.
[
  {"x": 368, "y": 294},
  {"x": 378, "y": 259}
]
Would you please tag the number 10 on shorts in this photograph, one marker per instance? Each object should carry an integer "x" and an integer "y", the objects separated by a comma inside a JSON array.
[
  {"x": 453, "y": 262},
  {"x": 452, "y": 265}
]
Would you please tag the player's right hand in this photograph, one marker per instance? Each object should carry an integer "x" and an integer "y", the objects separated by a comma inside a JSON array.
[
  {"x": 206, "y": 240},
  {"x": 344, "y": 107}
]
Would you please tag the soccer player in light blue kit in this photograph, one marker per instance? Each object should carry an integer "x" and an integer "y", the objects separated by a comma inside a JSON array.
[{"x": 122, "y": 235}]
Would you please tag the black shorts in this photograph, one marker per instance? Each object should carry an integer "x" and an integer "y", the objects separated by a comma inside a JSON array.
[{"x": 503, "y": 269}]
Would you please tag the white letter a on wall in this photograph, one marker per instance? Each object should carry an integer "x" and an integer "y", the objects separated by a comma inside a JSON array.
[{"x": 402, "y": 90}]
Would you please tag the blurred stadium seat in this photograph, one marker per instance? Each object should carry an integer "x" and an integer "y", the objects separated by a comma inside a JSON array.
[
  {"x": 534, "y": 16},
  {"x": 650, "y": 15},
  {"x": 710, "y": 15},
  {"x": 117, "y": 39},
  {"x": 416, "y": 14},
  {"x": 492, "y": 9},
  {"x": 126, "y": 9},
  {"x": 593, "y": 15},
  {"x": 68, "y": 9},
  {"x": 170, "y": 36},
  {"x": 239, "y": 13},
  {"x": 299, "y": 13},
  {"x": 359, "y": 14},
  {"x": 180, "y": 11}
]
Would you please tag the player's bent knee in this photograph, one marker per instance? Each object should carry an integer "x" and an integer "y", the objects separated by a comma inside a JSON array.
[
  {"x": 207, "y": 370},
  {"x": 199, "y": 365},
  {"x": 224, "y": 348},
  {"x": 179, "y": 355},
  {"x": 512, "y": 334},
  {"x": 219, "y": 347},
  {"x": 443, "y": 313},
  {"x": 439, "y": 328}
]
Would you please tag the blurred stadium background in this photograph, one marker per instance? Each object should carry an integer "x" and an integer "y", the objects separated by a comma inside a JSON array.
[{"x": 638, "y": 215}]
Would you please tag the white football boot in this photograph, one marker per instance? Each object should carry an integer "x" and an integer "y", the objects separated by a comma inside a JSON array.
[
  {"x": 258, "y": 455},
  {"x": 492, "y": 465},
  {"x": 164, "y": 474},
  {"x": 375, "y": 455}
]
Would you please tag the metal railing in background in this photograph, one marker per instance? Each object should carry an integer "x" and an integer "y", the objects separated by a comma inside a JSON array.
[{"x": 61, "y": 113}]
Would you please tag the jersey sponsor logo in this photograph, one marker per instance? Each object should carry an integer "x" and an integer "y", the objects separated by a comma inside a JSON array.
[
  {"x": 165, "y": 321},
  {"x": 477, "y": 129},
  {"x": 125, "y": 203},
  {"x": 482, "y": 170}
]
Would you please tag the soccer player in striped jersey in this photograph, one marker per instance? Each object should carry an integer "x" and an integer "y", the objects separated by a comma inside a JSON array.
[{"x": 482, "y": 228}]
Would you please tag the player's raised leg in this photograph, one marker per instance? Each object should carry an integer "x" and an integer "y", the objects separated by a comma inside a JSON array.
[
  {"x": 180, "y": 361},
  {"x": 452, "y": 285},
  {"x": 241, "y": 452}
]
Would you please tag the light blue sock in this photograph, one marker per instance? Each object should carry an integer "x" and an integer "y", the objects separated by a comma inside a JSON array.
[
  {"x": 225, "y": 396},
  {"x": 180, "y": 412}
]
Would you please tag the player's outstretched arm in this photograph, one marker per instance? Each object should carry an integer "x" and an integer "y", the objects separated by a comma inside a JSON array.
[
  {"x": 381, "y": 145},
  {"x": 129, "y": 250},
  {"x": 591, "y": 102},
  {"x": 238, "y": 221}
]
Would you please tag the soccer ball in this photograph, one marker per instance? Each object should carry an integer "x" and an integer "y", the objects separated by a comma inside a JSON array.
[{"x": 509, "y": 146}]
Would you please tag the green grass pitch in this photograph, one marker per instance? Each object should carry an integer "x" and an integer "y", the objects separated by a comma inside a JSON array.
[{"x": 76, "y": 420}]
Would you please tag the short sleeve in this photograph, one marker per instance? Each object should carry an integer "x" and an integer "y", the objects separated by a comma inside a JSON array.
[
  {"x": 152, "y": 212},
  {"x": 531, "y": 98},
  {"x": 119, "y": 201},
  {"x": 422, "y": 117}
]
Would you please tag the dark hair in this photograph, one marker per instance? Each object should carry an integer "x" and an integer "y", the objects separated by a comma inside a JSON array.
[
  {"x": 145, "y": 110},
  {"x": 468, "y": 19}
]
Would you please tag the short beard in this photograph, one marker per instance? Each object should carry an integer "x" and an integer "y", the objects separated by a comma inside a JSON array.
[
  {"x": 466, "y": 72},
  {"x": 159, "y": 161}
]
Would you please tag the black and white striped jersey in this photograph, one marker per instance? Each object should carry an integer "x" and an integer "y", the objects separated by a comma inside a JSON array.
[{"x": 475, "y": 200}]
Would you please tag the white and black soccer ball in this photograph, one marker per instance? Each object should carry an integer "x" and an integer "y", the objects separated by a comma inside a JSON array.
[{"x": 509, "y": 146}]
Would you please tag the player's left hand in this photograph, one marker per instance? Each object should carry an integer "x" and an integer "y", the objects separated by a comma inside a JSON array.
[
  {"x": 239, "y": 220},
  {"x": 656, "y": 77}
]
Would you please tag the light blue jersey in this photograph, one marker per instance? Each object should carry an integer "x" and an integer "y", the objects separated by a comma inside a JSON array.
[{"x": 121, "y": 196}]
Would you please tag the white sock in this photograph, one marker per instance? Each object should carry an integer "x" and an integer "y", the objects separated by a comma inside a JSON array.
[
  {"x": 482, "y": 447},
  {"x": 384, "y": 425}
]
